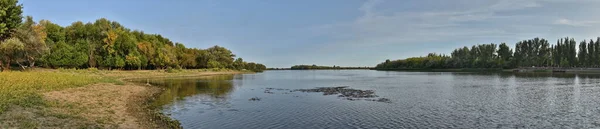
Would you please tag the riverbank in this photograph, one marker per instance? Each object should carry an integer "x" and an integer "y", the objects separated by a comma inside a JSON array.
[
  {"x": 516, "y": 70},
  {"x": 67, "y": 98},
  {"x": 557, "y": 70}
]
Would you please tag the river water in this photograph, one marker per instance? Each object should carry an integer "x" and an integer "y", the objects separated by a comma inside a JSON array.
[{"x": 417, "y": 100}]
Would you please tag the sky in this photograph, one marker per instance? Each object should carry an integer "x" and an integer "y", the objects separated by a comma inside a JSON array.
[{"x": 282, "y": 33}]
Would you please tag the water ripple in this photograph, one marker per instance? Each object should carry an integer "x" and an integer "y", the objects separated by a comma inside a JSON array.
[{"x": 420, "y": 100}]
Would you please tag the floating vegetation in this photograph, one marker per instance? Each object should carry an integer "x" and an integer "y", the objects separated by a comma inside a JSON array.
[
  {"x": 254, "y": 99},
  {"x": 341, "y": 91},
  {"x": 269, "y": 90},
  {"x": 385, "y": 100}
]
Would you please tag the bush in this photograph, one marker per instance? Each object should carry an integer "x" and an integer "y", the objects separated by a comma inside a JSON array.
[
  {"x": 216, "y": 69},
  {"x": 172, "y": 70}
]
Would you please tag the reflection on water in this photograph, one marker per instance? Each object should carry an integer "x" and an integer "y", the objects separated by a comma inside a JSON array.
[
  {"x": 215, "y": 87},
  {"x": 418, "y": 100}
]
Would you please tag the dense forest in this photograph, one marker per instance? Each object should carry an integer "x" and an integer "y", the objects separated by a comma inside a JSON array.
[
  {"x": 100, "y": 44},
  {"x": 537, "y": 52}
]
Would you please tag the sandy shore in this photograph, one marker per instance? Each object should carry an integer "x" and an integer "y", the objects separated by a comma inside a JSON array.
[{"x": 109, "y": 104}]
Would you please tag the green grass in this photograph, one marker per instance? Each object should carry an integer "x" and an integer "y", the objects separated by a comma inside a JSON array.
[{"x": 25, "y": 88}]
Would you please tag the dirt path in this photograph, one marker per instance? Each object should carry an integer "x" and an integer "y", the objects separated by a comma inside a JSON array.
[
  {"x": 101, "y": 105},
  {"x": 108, "y": 105}
]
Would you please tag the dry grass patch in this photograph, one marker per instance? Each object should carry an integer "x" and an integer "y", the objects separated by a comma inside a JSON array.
[{"x": 24, "y": 88}]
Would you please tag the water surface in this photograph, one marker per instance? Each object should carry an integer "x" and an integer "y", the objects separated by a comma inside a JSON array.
[{"x": 418, "y": 100}]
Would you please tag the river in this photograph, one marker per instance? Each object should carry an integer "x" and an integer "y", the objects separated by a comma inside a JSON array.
[{"x": 416, "y": 100}]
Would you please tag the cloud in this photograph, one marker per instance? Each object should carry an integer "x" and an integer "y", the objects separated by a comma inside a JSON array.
[
  {"x": 374, "y": 28},
  {"x": 480, "y": 21},
  {"x": 568, "y": 22},
  {"x": 368, "y": 7},
  {"x": 514, "y": 5}
]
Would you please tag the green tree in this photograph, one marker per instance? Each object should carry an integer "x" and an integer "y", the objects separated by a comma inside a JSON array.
[
  {"x": 223, "y": 56},
  {"x": 188, "y": 60},
  {"x": 582, "y": 55},
  {"x": 505, "y": 54},
  {"x": 66, "y": 55},
  {"x": 109, "y": 45},
  {"x": 10, "y": 17},
  {"x": 572, "y": 52},
  {"x": 239, "y": 64},
  {"x": 596, "y": 53},
  {"x": 133, "y": 60},
  {"x": 54, "y": 32},
  {"x": 215, "y": 64},
  {"x": 9, "y": 52},
  {"x": 119, "y": 62},
  {"x": 33, "y": 37},
  {"x": 590, "y": 54}
]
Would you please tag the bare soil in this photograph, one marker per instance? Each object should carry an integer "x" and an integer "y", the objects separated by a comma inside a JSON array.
[{"x": 95, "y": 106}]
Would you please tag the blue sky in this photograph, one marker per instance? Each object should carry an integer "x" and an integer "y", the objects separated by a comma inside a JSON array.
[{"x": 282, "y": 33}]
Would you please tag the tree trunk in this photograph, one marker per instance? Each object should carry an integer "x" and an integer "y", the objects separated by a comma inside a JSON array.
[
  {"x": 31, "y": 61},
  {"x": 7, "y": 66},
  {"x": 91, "y": 58},
  {"x": 22, "y": 66},
  {"x": 32, "y": 64}
]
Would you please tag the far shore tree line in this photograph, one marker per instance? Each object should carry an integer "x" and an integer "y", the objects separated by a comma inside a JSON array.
[
  {"x": 537, "y": 52},
  {"x": 101, "y": 44}
]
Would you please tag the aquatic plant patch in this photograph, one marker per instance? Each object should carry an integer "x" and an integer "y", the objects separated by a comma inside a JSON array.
[{"x": 341, "y": 91}]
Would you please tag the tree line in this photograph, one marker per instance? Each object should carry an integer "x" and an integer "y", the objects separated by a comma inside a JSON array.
[
  {"x": 537, "y": 52},
  {"x": 101, "y": 44}
]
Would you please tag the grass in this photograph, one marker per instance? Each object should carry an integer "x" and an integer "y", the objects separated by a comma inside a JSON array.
[
  {"x": 25, "y": 88},
  {"x": 23, "y": 103}
]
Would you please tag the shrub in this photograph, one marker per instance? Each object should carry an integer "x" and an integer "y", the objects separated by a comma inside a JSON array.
[{"x": 171, "y": 70}]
